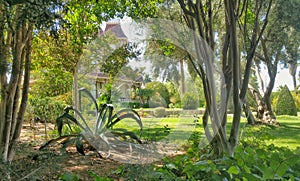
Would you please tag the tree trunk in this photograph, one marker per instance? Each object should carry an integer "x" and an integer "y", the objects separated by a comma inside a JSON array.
[
  {"x": 182, "y": 76},
  {"x": 248, "y": 113},
  {"x": 292, "y": 71},
  {"x": 5, "y": 41},
  {"x": 267, "y": 114},
  {"x": 17, "y": 50},
  {"x": 16, "y": 44},
  {"x": 75, "y": 89},
  {"x": 16, "y": 130},
  {"x": 234, "y": 132}
]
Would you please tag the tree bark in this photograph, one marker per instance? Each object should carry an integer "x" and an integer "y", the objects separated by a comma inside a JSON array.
[
  {"x": 292, "y": 71},
  {"x": 16, "y": 131},
  {"x": 231, "y": 19},
  {"x": 16, "y": 41},
  {"x": 182, "y": 76}
]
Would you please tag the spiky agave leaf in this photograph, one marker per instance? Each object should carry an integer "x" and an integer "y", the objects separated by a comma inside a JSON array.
[
  {"x": 88, "y": 93},
  {"x": 125, "y": 133},
  {"x": 104, "y": 117},
  {"x": 67, "y": 143},
  {"x": 79, "y": 144},
  {"x": 123, "y": 114},
  {"x": 60, "y": 122},
  {"x": 52, "y": 141}
]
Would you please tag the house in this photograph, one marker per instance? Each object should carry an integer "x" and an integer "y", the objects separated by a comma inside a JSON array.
[{"x": 126, "y": 87}]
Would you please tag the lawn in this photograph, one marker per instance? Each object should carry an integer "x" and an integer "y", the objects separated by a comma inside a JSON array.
[
  {"x": 288, "y": 134},
  {"x": 178, "y": 130}
]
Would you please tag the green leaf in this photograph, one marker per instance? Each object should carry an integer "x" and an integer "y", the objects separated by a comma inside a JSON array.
[
  {"x": 69, "y": 177},
  {"x": 297, "y": 151},
  {"x": 171, "y": 166},
  {"x": 79, "y": 145},
  {"x": 282, "y": 169},
  {"x": 274, "y": 161},
  {"x": 233, "y": 170},
  {"x": 252, "y": 177},
  {"x": 240, "y": 162},
  {"x": 268, "y": 173},
  {"x": 97, "y": 177}
]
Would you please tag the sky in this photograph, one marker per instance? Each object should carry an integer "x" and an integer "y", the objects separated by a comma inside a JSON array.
[{"x": 284, "y": 78}]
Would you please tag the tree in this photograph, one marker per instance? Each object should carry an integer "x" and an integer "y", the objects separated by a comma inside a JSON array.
[
  {"x": 18, "y": 19},
  {"x": 52, "y": 66},
  {"x": 285, "y": 104},
  {"x": 169, "y": 60},
  {"x": 271, "y": 51},
  {"x": 200, "y": 17},
  {"x": 292, "y": 54},
  {"x": 160, "y": 91},
  {"x": 174, "y": 94}
]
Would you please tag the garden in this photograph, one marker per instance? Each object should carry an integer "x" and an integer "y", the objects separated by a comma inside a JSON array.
[
  {"x": 264, "y": 152},
  {"x": 149, "y": 90}
]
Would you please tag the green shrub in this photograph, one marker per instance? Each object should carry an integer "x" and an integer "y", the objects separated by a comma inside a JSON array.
[
  {"x": 157, "y": 101},
  {"x": 173, "y": 112},
  {"x": 296, "y": 99},
  {"x": 159, "y": 112},
  {"x": 253, "y": 160},
  {"x": 47, "y": 108},
  {"x": 190, "y": 101},
  {"x": 160, "y": 90},
  {"x": 285, "y": 103},
  {"x": 134, "y": 105},
  {"x": 174, "y": 94}
]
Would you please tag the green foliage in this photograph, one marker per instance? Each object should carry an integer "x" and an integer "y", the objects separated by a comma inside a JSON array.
[
  {"x": 52, "y": 66},
  {"x": 190, "y": 101},
  {"x": 97, "y": 177},
  {"x": 159, "y": 112},
  {"x": 157, "y": 101},
  {"x": 296, "y": 98},
  {"x": 159, "y": 90},
  {"x": 144, "y": 96},
  {"x": 133, "y": 105},
  {"x": 174, "y": 94},
  {"x": 47, "y": 108},
  {"x": 105, "y": 97},
  {"x": 94, "y": 132},
  {"x": 251, "y": 101},
  {"x": 67, "y": 176},
  {"x": 253, "y": 160},
  {"x": 118, "y": 59},
  {"x": 285, "y": 104}
]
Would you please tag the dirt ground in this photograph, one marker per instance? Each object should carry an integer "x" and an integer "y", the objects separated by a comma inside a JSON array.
[{"x": 30, "y": 163}]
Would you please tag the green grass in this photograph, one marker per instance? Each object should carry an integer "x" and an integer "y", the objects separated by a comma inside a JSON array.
[
  {"x": 178, "y": 130},
  {"x": 288, "y": 134},
  {"x": 175, "y": 130}
]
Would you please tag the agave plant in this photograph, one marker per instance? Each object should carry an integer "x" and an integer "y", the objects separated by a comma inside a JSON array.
[{"x": 96, "y": 133}]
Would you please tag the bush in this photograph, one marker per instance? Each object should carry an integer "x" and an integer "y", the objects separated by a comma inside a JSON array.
[
  {"x": 134, "y": 105},
  {"x": 157, "y": 101},
  {"x": 47, "y": 108},
  {"x": 160, "y": 90},
  {"x": 296, "y": 99},
  {"x": 285, "y": 103},
  {"x": 159, "y": 112},
  {"x": 190, "y": 101},
  {"x": 174, "y": 95}
]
